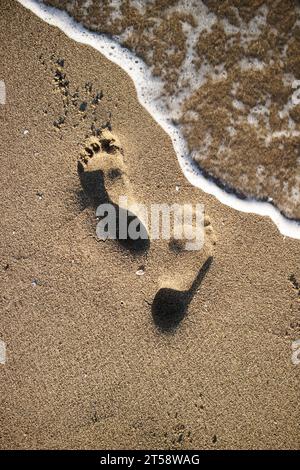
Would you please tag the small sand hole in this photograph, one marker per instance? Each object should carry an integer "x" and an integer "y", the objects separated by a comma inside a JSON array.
[
  {"x": 83, "y": 106},
  {"x": 108, "y": 146},
  {"x": 89, "y": 151},
  {"x": 177, "y": 245},
  {"x": 114, "y": 173},
  {"x": 95, "y": 147}
]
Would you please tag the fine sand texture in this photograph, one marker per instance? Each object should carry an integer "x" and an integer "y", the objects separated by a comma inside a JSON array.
[{"x": 89, "y": 362}]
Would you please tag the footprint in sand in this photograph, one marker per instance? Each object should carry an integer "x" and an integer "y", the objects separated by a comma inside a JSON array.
[
  {"x": 181, "y": 278},
  {"x": 104, "y": 178}
]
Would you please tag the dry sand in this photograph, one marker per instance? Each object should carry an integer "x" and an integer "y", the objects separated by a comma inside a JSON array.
[{"x": 86, "y": 365}]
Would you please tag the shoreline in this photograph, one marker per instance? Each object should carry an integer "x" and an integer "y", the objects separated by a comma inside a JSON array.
[{"x": 139, "y": 74}]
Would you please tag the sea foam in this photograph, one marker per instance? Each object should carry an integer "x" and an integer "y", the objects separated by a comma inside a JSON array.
[{"x": 151, "y": 95}]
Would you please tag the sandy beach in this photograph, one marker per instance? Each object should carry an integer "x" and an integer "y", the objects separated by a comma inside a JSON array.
[{"x": 87, "y": 366}]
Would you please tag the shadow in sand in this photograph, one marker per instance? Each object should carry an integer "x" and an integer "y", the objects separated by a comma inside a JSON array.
[
  {"x": 170, "y": 306},
  {"x": 92, "y": 183}
]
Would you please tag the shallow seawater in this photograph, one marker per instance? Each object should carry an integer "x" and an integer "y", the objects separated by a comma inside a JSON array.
[{"x": 222, "y": 78}]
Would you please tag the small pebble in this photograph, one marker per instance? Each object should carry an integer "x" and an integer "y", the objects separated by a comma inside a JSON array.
[
  {"x": 140, "y": 272},
  {"x": 83, "y": 106},
  {"x": 26, "y": 131}
]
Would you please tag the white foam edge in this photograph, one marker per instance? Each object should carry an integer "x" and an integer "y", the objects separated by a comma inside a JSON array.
[{"x": 142, "y": 79}]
